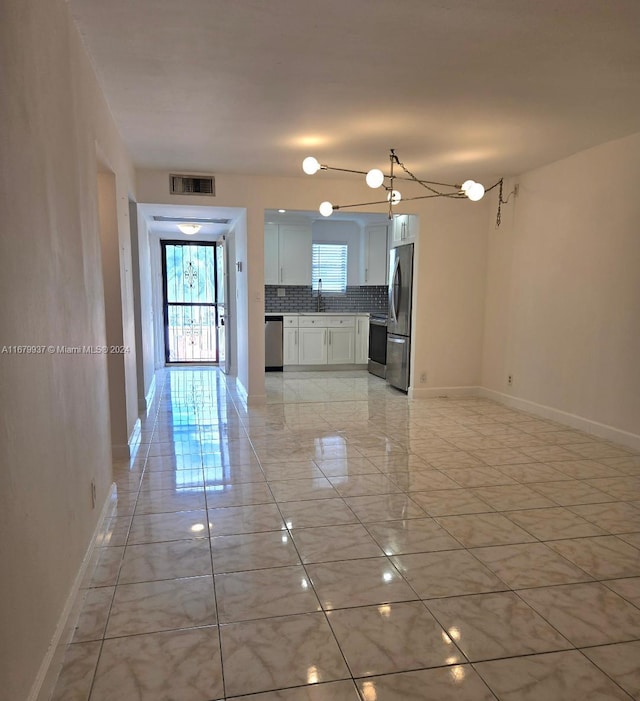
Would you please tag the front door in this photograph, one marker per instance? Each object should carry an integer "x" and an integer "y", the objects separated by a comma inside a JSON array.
[{"x": 190, "y": 289}]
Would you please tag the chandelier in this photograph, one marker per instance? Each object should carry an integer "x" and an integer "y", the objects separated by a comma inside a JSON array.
[{"x": 375, "y": 178}]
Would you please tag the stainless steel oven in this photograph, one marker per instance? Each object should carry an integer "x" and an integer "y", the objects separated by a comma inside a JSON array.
[{"x": 378, "y": 345}]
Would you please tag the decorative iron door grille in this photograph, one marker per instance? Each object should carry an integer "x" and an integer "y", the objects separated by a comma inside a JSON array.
[{"x": 189, "y": 276}]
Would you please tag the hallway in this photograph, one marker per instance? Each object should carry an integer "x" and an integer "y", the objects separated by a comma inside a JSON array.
[{"x": 346, "y": 543}]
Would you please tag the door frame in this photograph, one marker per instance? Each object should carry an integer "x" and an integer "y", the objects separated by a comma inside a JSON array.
[{"x": 165, "y": 303}]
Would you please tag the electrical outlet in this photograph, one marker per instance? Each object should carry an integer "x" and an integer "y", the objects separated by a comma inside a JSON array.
[
  {"x": 93, "y": 494},
  {"x": 510, "y": 379},
  {"x": 423, "y": 378}
]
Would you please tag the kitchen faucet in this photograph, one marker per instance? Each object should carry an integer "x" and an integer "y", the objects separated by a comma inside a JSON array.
[{"x": 320, "y": 300}]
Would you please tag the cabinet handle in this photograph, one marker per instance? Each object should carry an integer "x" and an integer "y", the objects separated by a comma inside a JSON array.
[
  {"x": 358, "y": 327},
  {"x": 366, "y": 274},
  {"x": 296, "y": 338},
  {"x": 280, "y": 273},
  {"x": 324, "y": 337},
  {"x": 329, "y": 337}
]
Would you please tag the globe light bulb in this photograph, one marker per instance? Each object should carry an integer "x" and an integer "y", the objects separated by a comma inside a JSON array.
[
  {"x": 310, "y": 165},
  {"x": 475, "y": 192},
  {"x": 466, "y": 185},
  {"x": 375, "y": 178},
  {"x": 394, "y": 197},
  {"x": 326, "y": 209}
]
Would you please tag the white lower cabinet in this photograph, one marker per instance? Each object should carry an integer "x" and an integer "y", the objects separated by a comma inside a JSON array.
[
  {"x": 326, "y": 340},
  {"x": 323, "y": 339},
  {"x": 362, "y": 339},
  {"x": 340, "y": 346},
  {"x": 290, "y": 341},
  {"x": 290, "y": 352},
  {"x": 313, "y": 346}
]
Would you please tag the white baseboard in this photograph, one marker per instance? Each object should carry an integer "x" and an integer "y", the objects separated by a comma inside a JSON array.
[
  {"x": 616, "y": 435},
  {"x": 49, "y": 669},
  {"x": 431, "y": 392},
  {"x": 150, "y": 394},
  {"x": 248, "y": 399},
  {"x": 241, "y": 391}
]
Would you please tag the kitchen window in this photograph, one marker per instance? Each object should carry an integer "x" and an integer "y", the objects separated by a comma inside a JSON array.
[{"x": 329, "y": 264}]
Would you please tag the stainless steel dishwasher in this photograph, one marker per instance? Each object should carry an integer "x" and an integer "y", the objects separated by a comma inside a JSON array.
[{"x": 273, "y": 343}]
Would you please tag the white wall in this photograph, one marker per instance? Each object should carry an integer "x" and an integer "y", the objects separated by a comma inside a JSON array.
[
  {"x": 449, "y": 290},
  {"x": 449, "y": 280},
  {"x": 54, "y": 427},
  {"x": 563, "y": 295}
]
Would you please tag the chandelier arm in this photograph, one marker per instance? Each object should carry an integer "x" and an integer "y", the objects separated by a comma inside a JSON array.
[
  {"x": 452, "y": 195},
  {"x": 358, "y": 204},
  {"x": 455, "y": 196},
  {"x": 425, "y": 182},
  {"x": 343, "y": 170},
  {"x": 395, "y": 177}
]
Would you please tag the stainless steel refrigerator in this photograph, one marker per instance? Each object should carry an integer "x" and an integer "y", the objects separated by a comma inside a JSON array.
[{"x": 399, "y": 322}]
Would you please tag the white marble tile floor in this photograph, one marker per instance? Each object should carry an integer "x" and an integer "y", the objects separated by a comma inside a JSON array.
[{"x": 345, "y": 543}]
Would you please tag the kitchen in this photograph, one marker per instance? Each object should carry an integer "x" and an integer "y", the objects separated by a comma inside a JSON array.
[{"x": 327, "y": 292}]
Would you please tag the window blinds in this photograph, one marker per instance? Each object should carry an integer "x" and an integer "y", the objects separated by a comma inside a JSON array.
[{"x": 329, "y": 264}]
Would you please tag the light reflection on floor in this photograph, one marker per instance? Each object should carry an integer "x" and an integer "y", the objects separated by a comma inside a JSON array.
[{"x": 344, "y": 542}]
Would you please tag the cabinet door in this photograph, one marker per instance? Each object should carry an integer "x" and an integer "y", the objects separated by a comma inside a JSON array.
[
  {"x": 295, "y": 255},
  {"x": 341, "y": 346},
  {"x": 397, "y": 229},
  {"x": 290, "y": 346},
  {"x": 362, "y": 340},
  {"x": 404, "y": 229},
  {"x": 271, "y": 255},
  {"x": 313, "y": 346},
  {"x": 375, "y": 256}
]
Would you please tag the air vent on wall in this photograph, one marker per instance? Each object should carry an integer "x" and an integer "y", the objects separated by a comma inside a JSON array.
[
  {"x": 192, "y": 185},
  {"x": 191, "y": 220}
]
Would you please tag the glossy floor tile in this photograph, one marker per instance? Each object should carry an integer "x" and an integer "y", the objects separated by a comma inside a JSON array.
[
  {"x": 560, "y": 675},
  {"x": 344, "y": 543}
]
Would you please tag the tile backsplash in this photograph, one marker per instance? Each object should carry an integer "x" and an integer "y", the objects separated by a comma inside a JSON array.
[{"x": 298, "y": 298}]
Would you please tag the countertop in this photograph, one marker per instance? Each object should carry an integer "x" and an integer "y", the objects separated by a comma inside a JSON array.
[{"x": 317, "y": 313}]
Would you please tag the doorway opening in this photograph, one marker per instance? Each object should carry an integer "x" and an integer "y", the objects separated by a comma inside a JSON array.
[{"x": 193, "y": 301}]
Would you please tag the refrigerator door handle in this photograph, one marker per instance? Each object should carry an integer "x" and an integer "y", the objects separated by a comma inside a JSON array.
[{"x": 394, "y": 278}]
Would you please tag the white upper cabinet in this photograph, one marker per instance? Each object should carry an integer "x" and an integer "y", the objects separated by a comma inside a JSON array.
[
  {"x": 404, "y": 229},
  {"x": 287, "y": 254},
  {"x": 374, "y": 255},
  {"x": 271, "y": 255}
]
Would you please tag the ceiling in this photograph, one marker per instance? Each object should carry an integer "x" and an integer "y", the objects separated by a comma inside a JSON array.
[{"x": 460, "y": 88}]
